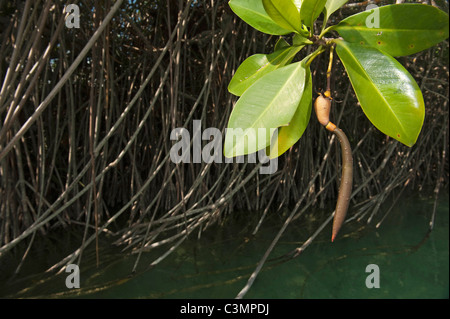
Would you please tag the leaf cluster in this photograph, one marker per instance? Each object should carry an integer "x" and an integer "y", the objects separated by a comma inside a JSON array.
[{"x": 276, "y": 93}]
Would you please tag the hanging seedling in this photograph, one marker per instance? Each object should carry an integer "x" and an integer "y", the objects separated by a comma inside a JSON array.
[{"x": 277, "y": 93}]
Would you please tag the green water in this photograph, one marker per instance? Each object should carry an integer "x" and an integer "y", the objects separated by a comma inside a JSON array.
[{"x": 411, "y": 264}]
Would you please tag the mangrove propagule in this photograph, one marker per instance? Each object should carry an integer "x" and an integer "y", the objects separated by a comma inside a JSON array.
[{"x": 322, "y": 107}]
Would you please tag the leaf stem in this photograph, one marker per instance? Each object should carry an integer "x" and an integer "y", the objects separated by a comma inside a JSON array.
[
  {"x": 330, "y": 67},
  {"x": 325, "y": 31},
  {"x": 313, "y": 55}
]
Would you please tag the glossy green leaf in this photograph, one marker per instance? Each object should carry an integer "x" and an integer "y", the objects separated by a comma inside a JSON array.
[
  {"x": 388, "y": 94},
  {"x": 398, "y": 30},
  {"x": 289, "y": 135},
  {"x": 331, "y": 6},
  {"x": 258, "y": 65},
  {"x": 310, "y": 10},
  {"x": 268, "y": 104},
  {"x": 298, "y": 39},
  {"x": 253, "y": 13},
  {"x": 298, "y": 4},
  {"x": 284, "y": 13}
]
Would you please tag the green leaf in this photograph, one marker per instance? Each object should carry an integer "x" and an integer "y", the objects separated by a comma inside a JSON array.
[
  {"x": 289, "y": 135},
  {"x": 310, "y": 10},
  {"x": 398, "y": 30},
  {"x": 298, "y": 4},
  {"x": 268, "y": 104},
  {"x": 331, "y": 6},
  {"x": 281, "y": 44},
  {"x": 258, "y": 65},
  {"x": 284, "y": 13},
  {"x": 298, "y": 39},
  {"x": 388, "y": 94},
  {"x": 253, "y": 13}
]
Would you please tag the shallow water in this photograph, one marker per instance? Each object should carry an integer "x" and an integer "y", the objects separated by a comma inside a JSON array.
[{"x": 411, "y": 264}]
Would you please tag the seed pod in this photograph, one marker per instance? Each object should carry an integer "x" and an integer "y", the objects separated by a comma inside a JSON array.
[
  {"x": 322, "y": 107},
  {"x": 345, "y": 189}
]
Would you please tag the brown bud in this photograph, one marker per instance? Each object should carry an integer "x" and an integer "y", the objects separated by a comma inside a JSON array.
[{"x": 322, "y": 107}]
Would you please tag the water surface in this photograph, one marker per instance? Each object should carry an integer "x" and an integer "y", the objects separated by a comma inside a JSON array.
[{"x": 412, "y": 264}]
